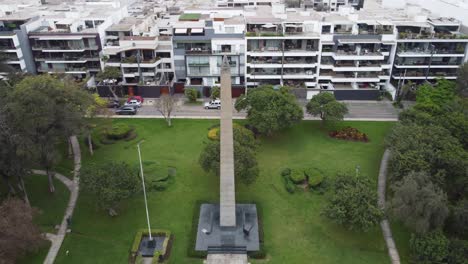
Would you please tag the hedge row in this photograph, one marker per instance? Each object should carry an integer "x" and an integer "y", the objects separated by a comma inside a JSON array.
[{"x": 159, "y": 256}]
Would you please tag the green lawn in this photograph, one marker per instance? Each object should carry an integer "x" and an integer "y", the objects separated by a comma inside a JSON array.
[
  {"x": 51, "y": 209},
  {"x": 294, "y": 230}
]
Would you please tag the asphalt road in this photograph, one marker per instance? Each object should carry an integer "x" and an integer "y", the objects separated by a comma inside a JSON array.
[{"x": 358, "y": 110}]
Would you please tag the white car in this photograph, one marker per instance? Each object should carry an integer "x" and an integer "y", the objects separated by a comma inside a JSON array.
[
  {"x": 213, "y": 104},
  {"x": 134, "y": 103}
]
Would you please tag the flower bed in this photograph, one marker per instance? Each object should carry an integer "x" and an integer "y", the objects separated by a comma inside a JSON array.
[
  {"x": 349, "y": 133},
  {"x": 159, "y": 255}
]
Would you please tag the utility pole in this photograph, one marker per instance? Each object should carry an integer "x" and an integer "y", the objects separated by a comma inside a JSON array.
[{"x": 144, "y": 191}]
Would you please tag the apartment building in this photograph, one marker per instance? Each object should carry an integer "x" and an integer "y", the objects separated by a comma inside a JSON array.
[
  {"x": 429, "y": 50},
  {"x": 143, "y": 55},
  {"x": 201, "y": 40},
  {"x": 332, "y": 5},
  {"x": 14, "y": 44}
]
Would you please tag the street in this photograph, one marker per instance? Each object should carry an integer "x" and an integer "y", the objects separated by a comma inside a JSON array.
[{"x": 358, "y": 110}]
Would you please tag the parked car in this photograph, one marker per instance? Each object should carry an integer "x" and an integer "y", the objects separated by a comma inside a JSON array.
[
  {"x": 126, "y": 110},
  {"x": 213, "y": 104},
  {"x": 134, "y": 103},
  {"x": 113, "y": 104},
  {"x": 136, "y": 97}
]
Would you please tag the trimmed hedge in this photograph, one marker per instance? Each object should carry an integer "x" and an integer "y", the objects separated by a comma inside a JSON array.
[
  {"x": 159, "y": 256},
  {"x": 289, "y": 185},
  {"x": 314, "y": 177},
  {"x": 213, "y": 134},
  {"x": 297, "y": 176},
  {"x": 286, "y": 172}
]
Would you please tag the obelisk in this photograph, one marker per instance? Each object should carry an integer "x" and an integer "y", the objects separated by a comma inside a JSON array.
[{"x": 227, "y": 181}]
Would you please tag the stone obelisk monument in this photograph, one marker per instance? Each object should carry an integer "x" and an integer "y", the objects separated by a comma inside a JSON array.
[{"x": 227, "y": 181}]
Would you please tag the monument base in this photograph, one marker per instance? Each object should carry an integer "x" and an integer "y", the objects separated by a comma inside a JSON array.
[
  {"x": 213, "y": 238},
  {"x": 148, "y": 247}
]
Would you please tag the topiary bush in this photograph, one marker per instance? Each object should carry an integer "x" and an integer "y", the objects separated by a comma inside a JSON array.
[
  {"x": 297, "y": 176},
  {"x": 289, "y": 185},
  {"x": 118, "y": 131},
  {"x": 213, "y": 133},
  {"x": 314, "y": 177},
  {"x": 286, "y": 172}
]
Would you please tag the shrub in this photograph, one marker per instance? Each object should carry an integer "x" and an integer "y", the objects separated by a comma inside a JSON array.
[
  {"x": 118, "y": 131},
  {"x": 429, "y": 248},
  {"x": 349, "y": 133},
  {"x": 315, "y": 180},
  {"x": 297, "y": 176},
  {"x": 289, "y": 185},
  {"x": 286, "y": 172},
  {"x": 131, "y": 136},
  {"x": 323, "y": 187},
  {"x": 213, "y": 134},
  {"x": 191, "y": 93},
  {"x": 458, "y": 251}
]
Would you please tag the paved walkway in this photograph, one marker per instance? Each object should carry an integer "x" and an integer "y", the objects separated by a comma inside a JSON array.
[
  {"x": 73, "y": 186},
  {"x": 226, "y": 259},
  {"x": 387, "y": 232}
]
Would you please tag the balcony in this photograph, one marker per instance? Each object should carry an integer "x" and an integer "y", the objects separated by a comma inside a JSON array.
[
  {"x": 431, "y": 35},
  {"x": 199, "y": 51}
]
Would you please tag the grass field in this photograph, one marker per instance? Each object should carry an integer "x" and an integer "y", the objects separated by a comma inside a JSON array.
[{"x": 295, "y": 232}]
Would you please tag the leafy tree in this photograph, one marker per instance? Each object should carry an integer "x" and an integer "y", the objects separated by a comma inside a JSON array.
[
  {"x": 215, "y": 92},
  {"x": 327, "y": 107},
  {"x": 269, "y": 110},
  {"x": 111, "y": 182},
  {"x": 18, "y": 233},
  {"x": 419, "y": 203},
  {"x": 245, "y": 162},
  {"x": 462, "y": 80},
  {"x": 431, "y": 149},
  {"x": 98, "y": 105},
  {"x": 430, "y": 248},
  {"x": 458, "y": 252},
  {"x": 353, "y": 203},
  {"x": 191, "y": 93},
  {"x": 432, "y": 99},
  {"x": 44, "y": 111},
  {"x": 109, "y": 76},
  {"x": 166, "y": 104},
  {"x": 459, "y": 218}
]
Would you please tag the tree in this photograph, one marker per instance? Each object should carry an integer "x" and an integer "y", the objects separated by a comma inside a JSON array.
[
  {"x": 97, "y": 106},
  {"x": 111, "y": 182},
  {"x": 166, "y": 104},
  {"x": 418, "y": 203},
  {"x": 353, "y": 203},
  {"x": 109, "y": 77},
  {"x": 433, "y": 99},
  {"x": 430, "y": 248},
  {"x": 191, "y": 93},
  {"x": 462, "y": 80},
  {"x": 245, "y": 162},
  {"x": 458, "y": 251},
  {"x": 270, "y": 110},
  {"x": 431, "y": 149},
  {"x": 327, "y": 107},
  {"x": 18, "y": 233},
  {"x": 44, "y": 111},
  {"x": 215, "y": 92},
  {"x": 459, "y": 218}
]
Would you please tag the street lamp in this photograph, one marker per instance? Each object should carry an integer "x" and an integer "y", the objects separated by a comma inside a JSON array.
[{"x": 144, "y": 191}]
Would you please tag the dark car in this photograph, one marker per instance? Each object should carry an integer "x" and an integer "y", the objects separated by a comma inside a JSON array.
[
  {"x": 113, "y": 104},
  {"x": 126, "y": 110}
]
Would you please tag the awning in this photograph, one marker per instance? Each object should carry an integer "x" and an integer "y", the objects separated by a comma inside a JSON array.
[
  {"x": 412, "y": 24},
  {"x": 269, "y": 25},
  {"x": 197, "y": 30},
  {"x": 180, "y": 31},
  {"x": 61, "y": 37},
  {"x": 292, "y": 25}
]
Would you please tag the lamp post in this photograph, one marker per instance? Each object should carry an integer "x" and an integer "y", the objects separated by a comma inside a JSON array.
[{"x": 144, "y": 191}]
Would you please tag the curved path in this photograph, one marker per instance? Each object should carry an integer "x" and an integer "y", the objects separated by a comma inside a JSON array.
[
  {"x": 387, "y": 232},
  {"x": 73, "y": 186}
]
